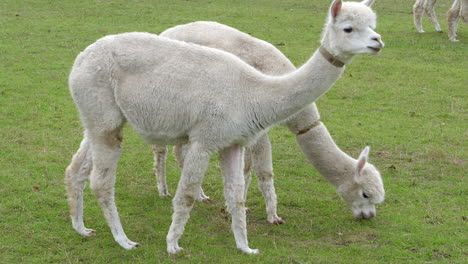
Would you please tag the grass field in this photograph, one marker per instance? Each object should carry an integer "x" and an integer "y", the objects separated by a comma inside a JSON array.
[{"x": 409, "y": 103}]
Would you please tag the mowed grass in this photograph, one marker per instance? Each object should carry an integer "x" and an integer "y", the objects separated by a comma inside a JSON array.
[{"x": 408, "y": 103}]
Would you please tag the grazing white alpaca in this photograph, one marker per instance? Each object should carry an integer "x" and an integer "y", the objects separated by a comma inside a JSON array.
[
  {"x": 458, "y": 10},
  {"x": 341, "y": 170},
  {"x": 172, "y": 92}
]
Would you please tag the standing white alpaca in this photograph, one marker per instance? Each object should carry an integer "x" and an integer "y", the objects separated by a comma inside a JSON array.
[
  {"x": 458, "y": 10},
  {"x": 312, "y": 135},
  {"x": 421, "y": 6},
  {"x": 172, "y": 92}
]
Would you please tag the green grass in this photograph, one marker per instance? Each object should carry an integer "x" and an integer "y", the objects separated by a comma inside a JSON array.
[{"x": 409, "y": 103}]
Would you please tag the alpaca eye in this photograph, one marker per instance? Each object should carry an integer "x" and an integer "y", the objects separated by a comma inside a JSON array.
[
  {"x": 365, "y": 195},
  {"x": 348, "y": 30}
]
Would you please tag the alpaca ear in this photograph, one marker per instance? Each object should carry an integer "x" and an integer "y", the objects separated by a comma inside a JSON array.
[
  {"x": 335, "y": 8},
  {"x": 362, "y": 160},
  {"x": 367, "y": 2}
]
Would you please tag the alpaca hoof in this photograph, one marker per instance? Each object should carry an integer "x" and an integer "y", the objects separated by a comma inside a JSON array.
[
  {"x": 174, "y": 249},
  {"x": 276, "y": 220},
  {"x": 86, "y": 232},
  {"x": 128, "y": 244},
  {"x": 247, "y": 210},
  {"x": 421, "y": 31},
  {"x": 165, "y": 194},
  {"x": 90, "y": 232},
  {"x": 207, "y": 200},
  {"x": 204, "y": 198},
  {"x": 249, "y": 251},
  {"x": 440, "y": 31}
]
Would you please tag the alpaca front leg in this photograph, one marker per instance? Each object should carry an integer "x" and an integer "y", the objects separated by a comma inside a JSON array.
[
  {"x": 195, "y": 163},
  {"x": 231, "y": 160},
  {"x": 418, "y": 10},
  {"x": 182, "y": 204},
  {"x": 106, "y": 153},
  {"x": 263, "y": 166},
  {"x": 160, "y": 155},
  {"x": 76, "y": 175}
]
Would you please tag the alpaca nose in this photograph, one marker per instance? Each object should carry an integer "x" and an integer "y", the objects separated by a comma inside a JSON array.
[
  {"x": 377, "y": 38},
  {"x": 366, "y": 216}
]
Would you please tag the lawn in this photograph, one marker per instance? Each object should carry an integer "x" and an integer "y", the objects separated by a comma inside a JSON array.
[{"x": 409, "y": 103}]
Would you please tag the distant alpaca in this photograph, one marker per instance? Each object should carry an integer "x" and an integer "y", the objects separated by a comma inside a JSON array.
[
  {"x": 340, "y": 169},
  {"x": 172, "y": 92},
  {"x": 459, "y": 9},
  {"x": 421, "y": 6}
]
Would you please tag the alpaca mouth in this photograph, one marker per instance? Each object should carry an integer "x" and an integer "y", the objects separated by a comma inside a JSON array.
[{"x": 374, "y": 49}]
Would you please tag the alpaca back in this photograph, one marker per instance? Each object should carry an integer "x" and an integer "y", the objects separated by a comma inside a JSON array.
[
  {"x": 258, "y": 53},
  {"x": 154, "y": 81}
]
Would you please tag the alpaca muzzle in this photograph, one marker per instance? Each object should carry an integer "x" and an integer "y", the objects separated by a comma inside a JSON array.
[
  {"x": 364, "y": 212},
  {"x": 379, "y": 44},
  {"x": 365, "y": 216}
]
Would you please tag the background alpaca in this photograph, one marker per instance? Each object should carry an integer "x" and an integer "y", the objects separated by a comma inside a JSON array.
[
  {"x": 312, "y": 135},
  {"x": 172, "y": 92},
  {"x": 459, "y": 9},
  {"x": 427, "y": 6}
]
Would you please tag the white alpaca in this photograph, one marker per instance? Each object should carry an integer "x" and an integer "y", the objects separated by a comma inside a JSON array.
[
  {"x": 459, "y": 9},
  {"x": 315, "y": 141},
  {"x": 172, "y": 92},
  {"x": 421, "y": 6}
]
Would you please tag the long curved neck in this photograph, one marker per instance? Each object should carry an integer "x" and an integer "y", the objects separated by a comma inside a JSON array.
[
  {"x": 288, "y": 94},
  {"x": 320, "y": 149}
]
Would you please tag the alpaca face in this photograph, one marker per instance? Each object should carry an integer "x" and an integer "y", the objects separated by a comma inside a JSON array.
[
  {"x": 365, "y": 191},
  {"x": 351, "y": 28}
]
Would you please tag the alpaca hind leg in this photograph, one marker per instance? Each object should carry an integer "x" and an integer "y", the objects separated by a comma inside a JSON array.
[
  {"x": 453, "y": 18},
  {"x": 179, "y": 151},
  {"x": 430, "y": 11},
  {"x": 418, "y": 10},
  {"x": 160, "y": 156},
  {"x": 76, "y": 175},
  {"x": 106, "y": 153},
  {"x": 195, "y": 163},
  {"x": 232, "y": 166},
  {"x": 263, "y": 166},
  {"x": 247, "y": 172}
]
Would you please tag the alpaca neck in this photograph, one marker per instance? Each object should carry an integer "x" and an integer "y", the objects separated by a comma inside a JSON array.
[
  {"x": 292, "y": 92},
  {"x": 320, "y": 149},
  {"x": 331, "y": 46}
]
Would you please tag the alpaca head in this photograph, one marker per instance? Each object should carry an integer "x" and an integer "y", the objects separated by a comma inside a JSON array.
[
  {"x": 365, "y": 190},
  {"x": 350, "y": 30}
]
